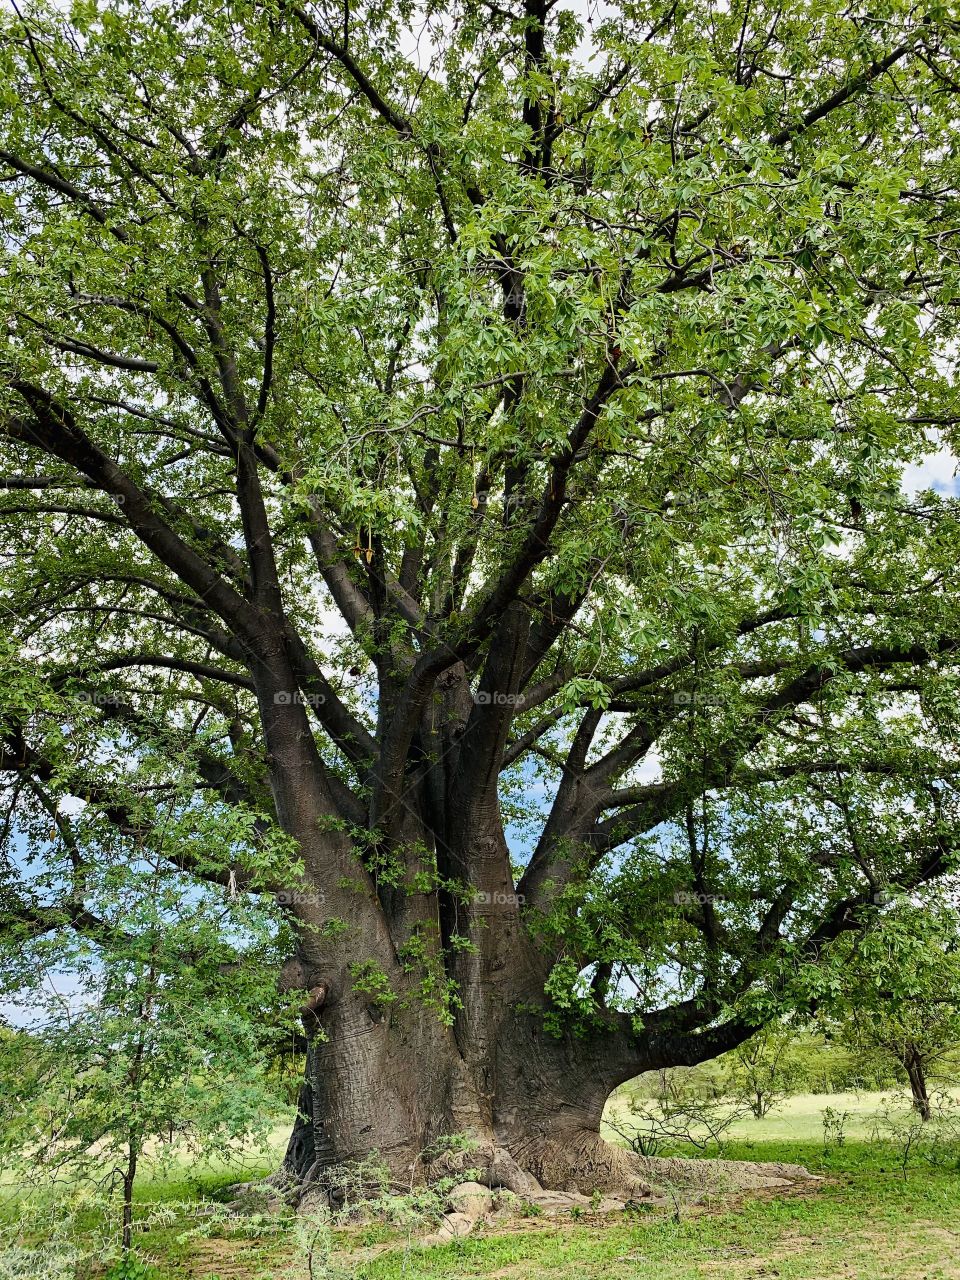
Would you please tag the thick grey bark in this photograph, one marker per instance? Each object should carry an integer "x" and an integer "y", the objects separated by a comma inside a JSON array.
[
  {"x": 388, "y": 1079},
  {"x": 394, "y": 1090}
]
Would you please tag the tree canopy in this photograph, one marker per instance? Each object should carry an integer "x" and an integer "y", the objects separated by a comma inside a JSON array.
[{"x": 458, "y": 450}]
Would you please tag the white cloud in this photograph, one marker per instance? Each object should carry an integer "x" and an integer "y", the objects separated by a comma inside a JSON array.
[
  {"x": 651, "y": 770},
  {"x": 937, "y": 471}
]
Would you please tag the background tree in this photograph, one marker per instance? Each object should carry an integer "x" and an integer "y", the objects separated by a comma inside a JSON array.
[
  {"x": 897, "y": 994},
  {"x": 476, "y": 457},
  {"x": 760, "y": 1068},
  {"x": 142, "y": 1037}
]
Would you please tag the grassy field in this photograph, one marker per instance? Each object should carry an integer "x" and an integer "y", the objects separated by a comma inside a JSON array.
[
  {"x": 797, "y": 1119},
  {"x": 865, "y": 1220}
]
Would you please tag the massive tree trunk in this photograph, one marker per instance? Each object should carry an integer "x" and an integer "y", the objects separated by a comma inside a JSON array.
[
  {"x": 390, "y": 1070},
  {"x": 392, "y": 1065},
  {"x": 389, "y": 1083}
]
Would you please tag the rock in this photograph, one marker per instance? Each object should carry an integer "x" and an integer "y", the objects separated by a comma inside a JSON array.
[
  {"x": 472, "y": 1199},
  {"x": 452, "y": 1227}
]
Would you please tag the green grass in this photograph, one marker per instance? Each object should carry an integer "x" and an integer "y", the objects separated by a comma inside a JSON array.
[{"x": 864, "y": 1221}]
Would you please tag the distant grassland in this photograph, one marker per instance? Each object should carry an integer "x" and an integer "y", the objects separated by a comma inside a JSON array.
[{"x": 796, "y": 1119}]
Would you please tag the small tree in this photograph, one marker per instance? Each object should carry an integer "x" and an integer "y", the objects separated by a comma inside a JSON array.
[
  {"x": 682, "y": 1107},
  {"x": 897, "y": 993},
  {"x": 156, "y": 1050},
  {"x": 758, "y": 1069}
]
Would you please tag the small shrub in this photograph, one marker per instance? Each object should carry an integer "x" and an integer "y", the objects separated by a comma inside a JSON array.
[
  {"x": 935, "y": 1141},
  {"x": 834, "y": 1127}
]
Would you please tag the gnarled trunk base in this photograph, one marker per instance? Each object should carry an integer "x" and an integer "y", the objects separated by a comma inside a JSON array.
[
  {"x": 583, "y": 1163},
  {"x": 525, "y": 1116},
  {"x": 538, "y": 1167}
]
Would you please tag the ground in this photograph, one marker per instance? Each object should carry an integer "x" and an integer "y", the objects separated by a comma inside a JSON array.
[{"x": 864, "y": 1221}]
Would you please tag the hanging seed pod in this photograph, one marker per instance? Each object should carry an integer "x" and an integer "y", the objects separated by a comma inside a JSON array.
[{"x": 369, "y": 544}]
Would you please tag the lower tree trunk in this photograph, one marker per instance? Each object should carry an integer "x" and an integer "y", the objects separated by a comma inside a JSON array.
[
  {"x": 913, "y": 1065},
  {"x": 129, "y": 1181},
  {"x": 392, "y": 1090},
  {"x": 387, "y": 1078}
]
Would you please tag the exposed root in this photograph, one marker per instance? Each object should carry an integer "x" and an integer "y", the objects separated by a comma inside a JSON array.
[
  {"x": 583, "y": 1172},
  {"x": 584, "y": 1164},
  {"x": 556, "y": 1177},
  {"x": 588, "y": 1173},
  {"x": 488, "y": 1164},
  {"x": 587, "y": 1164},
  {"x": 722, "y": 1175},
  {"x": 470, "y": 1202}
]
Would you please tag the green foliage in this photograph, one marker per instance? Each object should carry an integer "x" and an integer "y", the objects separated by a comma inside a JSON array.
[
  {"x": 934, "y": 1140},
  {"x": 629, "y": 352},
  {"x": 156, "y": 1048},
  {"x": 801, "y": 1061},
  {"x": 370, "y": 980},
  {"x": 834, "y": 1127},
  {"x": 761, "y": 1069},
  {"x": 893, "y": 992},
  {"x": 130, "y": 1268},
  {"x": 681, "y": 1115}
]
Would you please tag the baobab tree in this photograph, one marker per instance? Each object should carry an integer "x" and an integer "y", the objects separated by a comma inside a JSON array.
[{"x": 460, "y": 449}]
